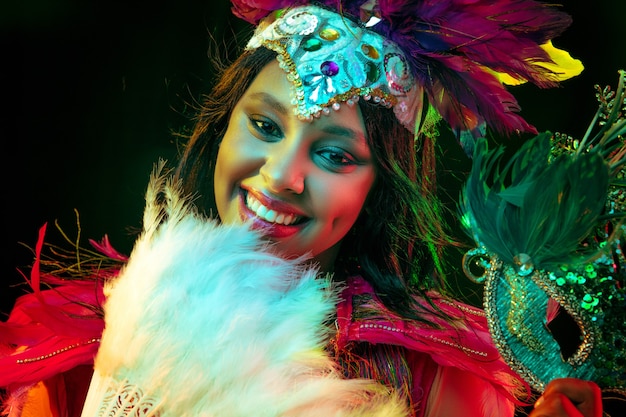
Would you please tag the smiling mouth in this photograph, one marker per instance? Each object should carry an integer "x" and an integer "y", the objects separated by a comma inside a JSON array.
[{"x": 269, "y": 215}]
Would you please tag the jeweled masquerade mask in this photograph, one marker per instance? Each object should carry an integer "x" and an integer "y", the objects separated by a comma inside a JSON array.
[
  {"x": 429, "y": 60},
  {"x": 331, "y": 60},
  {"x": 550, "y": 226}
]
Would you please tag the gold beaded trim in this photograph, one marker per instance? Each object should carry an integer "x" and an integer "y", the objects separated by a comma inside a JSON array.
[
  {"x": 463, "y": 308},
  {"x": 431, "y": 337},
  {"x": 456, "y": 345},
  {"x": 58, "y": 351}
]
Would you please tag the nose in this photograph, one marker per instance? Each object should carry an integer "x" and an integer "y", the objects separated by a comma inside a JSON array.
[{"x": 284, "y": 167}]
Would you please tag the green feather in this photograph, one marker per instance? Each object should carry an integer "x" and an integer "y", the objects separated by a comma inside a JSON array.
[
  {"x": 532, "y": 205},
  {"x": 551, "y": 195}
]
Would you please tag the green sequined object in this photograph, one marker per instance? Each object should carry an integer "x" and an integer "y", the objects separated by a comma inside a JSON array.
[{"x": 549, "y": 228}]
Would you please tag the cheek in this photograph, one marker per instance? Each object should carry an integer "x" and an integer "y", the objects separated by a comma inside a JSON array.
[
  {"x": 227, "y": 173},
  {"x": 223, "y": 163},
  {"x": 345, "y": 200},
  {"x": 220, "y": 184},
  {"x": 231, "y": 149},
  {"x": 233, "y": 155}
]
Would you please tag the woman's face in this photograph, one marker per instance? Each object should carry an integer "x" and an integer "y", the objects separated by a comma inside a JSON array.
[{"x": 302, "y": 183}]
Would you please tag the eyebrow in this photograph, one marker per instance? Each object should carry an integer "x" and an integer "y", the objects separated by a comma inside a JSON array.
[
  {"x": 269, "y": 100},
  {"x": 343, "y": 131}
]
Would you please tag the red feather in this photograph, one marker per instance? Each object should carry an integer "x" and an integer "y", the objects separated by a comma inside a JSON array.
[
  {"x": 53, "y": 330},
  {"x": 454, "y": 46}
]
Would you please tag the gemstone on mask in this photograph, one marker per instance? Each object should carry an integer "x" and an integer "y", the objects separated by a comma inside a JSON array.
[
  {"x": 329, "y": 68},
  {"x": 372, "y": 71},
  {"x": 311, "y": 44},
  {"x": 329, "y": 34},
  {"x": 369, "y": 51}
]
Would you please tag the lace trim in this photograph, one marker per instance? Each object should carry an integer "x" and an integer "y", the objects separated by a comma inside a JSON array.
[{"x": 125, "y": 399}]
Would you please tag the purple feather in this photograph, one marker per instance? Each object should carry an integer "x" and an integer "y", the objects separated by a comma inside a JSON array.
[{"x": 452, "y": 45}]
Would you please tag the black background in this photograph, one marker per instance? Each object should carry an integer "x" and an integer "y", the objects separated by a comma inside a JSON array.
[{"x": 92, "y": 91}]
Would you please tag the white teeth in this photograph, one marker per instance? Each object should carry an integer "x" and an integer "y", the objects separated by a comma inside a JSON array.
[
  {"x": 267, "y": 214},
  {"x": 261, "y": 211}
]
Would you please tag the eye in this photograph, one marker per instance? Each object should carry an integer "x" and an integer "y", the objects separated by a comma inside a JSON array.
[
  {"x": 265, "y": 127},
  {"x": 336, "y": 159}
]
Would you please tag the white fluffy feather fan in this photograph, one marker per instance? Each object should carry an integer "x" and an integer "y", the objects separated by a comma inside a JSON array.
[{"x": 205, "y": 321}]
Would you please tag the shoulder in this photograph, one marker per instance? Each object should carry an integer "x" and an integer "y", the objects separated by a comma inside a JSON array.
[
  {"x": 446, "y": 324},
  {"x": 458, "y": 343}
]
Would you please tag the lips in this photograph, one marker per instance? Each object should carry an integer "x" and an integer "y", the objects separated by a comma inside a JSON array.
[{"x": 275, "y": 218}]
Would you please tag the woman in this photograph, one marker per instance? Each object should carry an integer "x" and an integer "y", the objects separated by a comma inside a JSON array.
[{"x": 338, "y": 185}]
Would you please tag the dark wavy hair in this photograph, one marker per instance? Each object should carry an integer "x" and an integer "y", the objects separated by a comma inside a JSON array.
[{"x": 395, "y": 243}]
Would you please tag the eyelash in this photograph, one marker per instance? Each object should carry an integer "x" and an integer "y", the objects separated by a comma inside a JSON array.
[
  {"x": 328, "y": 154},
  {"x": 346, "y": 159},
  {"x": 258, "y": 123}
]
